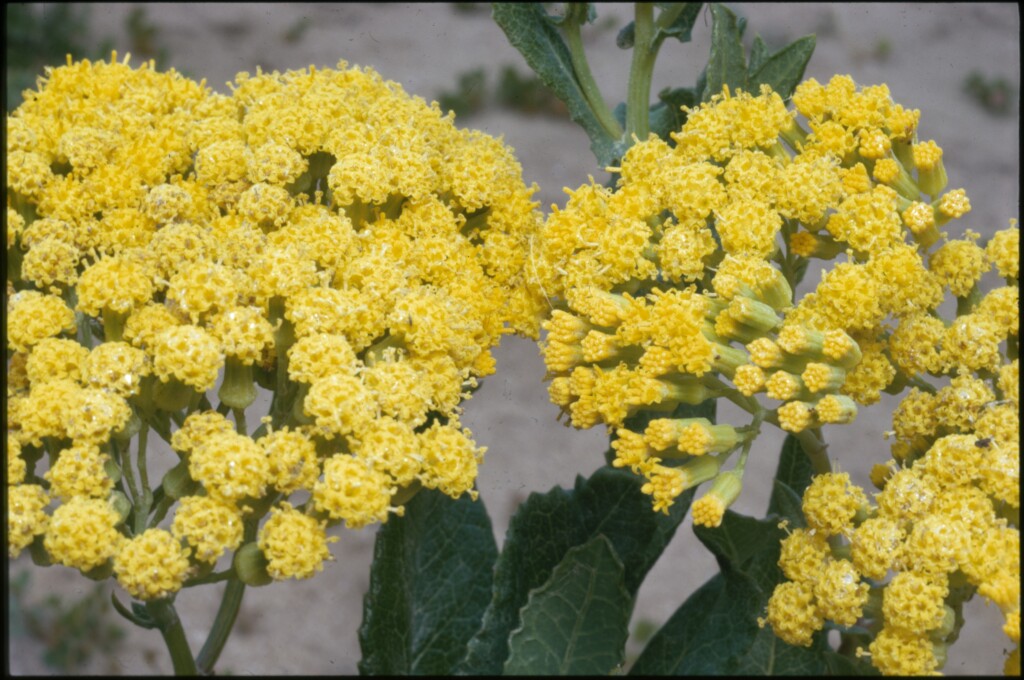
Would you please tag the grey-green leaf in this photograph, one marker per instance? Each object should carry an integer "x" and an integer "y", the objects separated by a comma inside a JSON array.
[
  {"x": 578, "y": 621},
  {"x": 726, "y": 65},
  {"x": 547, "y": 526},
  {"x": 783, "y": 70},
  {"x": 529, "y": 29},
  {"x": 429, "y": 586},
  {"x": 792, "y": 475},
  {"x": 681, "y": 26}
]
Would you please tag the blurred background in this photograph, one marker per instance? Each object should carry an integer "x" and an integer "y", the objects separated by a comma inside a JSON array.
[{"x": 958, "y": 63}]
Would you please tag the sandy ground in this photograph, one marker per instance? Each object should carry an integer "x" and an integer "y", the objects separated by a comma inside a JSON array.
[{"x": 924, "y": 52}]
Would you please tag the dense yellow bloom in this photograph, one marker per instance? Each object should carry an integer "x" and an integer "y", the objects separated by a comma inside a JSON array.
[
  {"x": 82, "y": 534},
  {"x": 152, "y": 565},
  {"x": 26, "y": 516},
  {"x": 353, "y": 491},
  {"x": 793, "y": 614},
  {"x": 896, "y": 652},
  {"x": 79, "y": 472},
  {"x": 208, "y": 526},
  {"x": 188, "y": 353},
  {"x": 230, "y": 466},
  {"x": 959, "y": 264},
  {"x": 294, "y": 544},
  {"x": 33, "y": 316}
]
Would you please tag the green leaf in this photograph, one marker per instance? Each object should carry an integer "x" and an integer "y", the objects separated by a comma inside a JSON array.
[
  {"x": 668, "y": 115},
  {"x": 529, "y": 29},
  {"x": 726, "y": 65},
  {"x": 547, "y": 526},
  {"x": 792, "y": 476},
  {"x": 783, "y": 70},
  {"x": 759, "y": 53},
  {"x": 578, "y": 621},
  {"x": 429, "y": 586},
  {"x": 681, "y": 27},
  {"x": 741, "y": 541}
]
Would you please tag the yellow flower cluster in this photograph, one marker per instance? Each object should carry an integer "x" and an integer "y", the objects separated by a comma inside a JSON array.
[
  {"x": 684, "y": 272},
  {"x": 318, "y": 233},
  {"x": 679, "y": 281}
]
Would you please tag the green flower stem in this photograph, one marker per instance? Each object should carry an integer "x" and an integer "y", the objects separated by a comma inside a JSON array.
[
  {"x": 1012, "y": 347},
  {"x": 128, "y": 476},
  {"x": 145, "y": 500},
  {"x": 641, "y": 71},
  {"x": 922, "y": 385},
  {"x": 240, "y": 425},
  {"x": 160, "y": 510},
  {"x": 222, "y": 624},
  {"x": 586, "y": 80},
  {"x": 166, "y": 619},
  {"x": 816, "y": 450},
  {"x": 217, "y": 577},
  {"x": 229, "y": 604}
]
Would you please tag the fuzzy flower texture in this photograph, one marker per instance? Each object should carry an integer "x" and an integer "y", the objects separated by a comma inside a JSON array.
[
  {"x": 677, "y": 286},
  {"x": 319, "y": 234}
]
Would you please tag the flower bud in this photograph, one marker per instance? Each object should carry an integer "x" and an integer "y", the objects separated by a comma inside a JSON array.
[
  {"x": 177, "y": 483},
  {"x": 122, "y": 506},
  {"x": 251, "y": 566},
  {"x": 710, "y": 508},
  {"x": 238, "y": 389}
]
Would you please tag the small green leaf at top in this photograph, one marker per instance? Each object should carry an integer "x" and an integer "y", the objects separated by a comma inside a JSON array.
[
  {"x": 578, "y": 621},
  {"x": 783, "y": 70},
  {"x": 726, "y": 64},
  {"x": 530, "y": 29}
]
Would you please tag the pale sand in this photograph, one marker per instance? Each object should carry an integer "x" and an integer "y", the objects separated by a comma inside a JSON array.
[{"x": 311, "y": 627}]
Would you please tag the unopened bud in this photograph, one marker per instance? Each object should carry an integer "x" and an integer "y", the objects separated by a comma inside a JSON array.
[{"x": 251, "y": 566}]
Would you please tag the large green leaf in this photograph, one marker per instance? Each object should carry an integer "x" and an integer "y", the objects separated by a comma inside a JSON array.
[
  {"x": 784, "y": 69},
  {"x": 578, "y": 621},
  {"x": 726, "y": 65},
  {"x": 530, "y": 30},
  {"x": 547, "y": 526},
  {"x": 429, "y": 585}
]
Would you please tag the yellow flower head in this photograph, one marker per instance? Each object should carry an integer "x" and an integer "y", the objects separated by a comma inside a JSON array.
[
  {"x": 26, "y": 516},
  {"x": 117, "y": 284},
  {"x": 208, "y": 526},
  {"x": 33, "y": 316},
  {"x": 959, "y": 264},
  {"x": 152, "y": 565},
  {"x": 190, "y": 354},
  {"x": 230, "y": 466},
  {"x": 292, "y": 458},
  {"x": 831, "y": 501},
  {"x": 294, "y": 544},
  {"x": 793, "y": 614},
  {"x": 897, "y": 652},
  {"x": 353, "y": 491},
  {"x": 54, "y": 358},
  {"x": 79, "y": 471},
  {"x": 82, "y": 533},
  {"x": 840, "y": 594}
]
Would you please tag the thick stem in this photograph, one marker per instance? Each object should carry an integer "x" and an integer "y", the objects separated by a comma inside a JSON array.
[
  {"x": 166, "y": 619},
  {"x": 816, "y": 450},
  {"x": 641, "y": 71},
  {"x": 222, "y": 625},
  {"x": 587, "y": 83}
]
